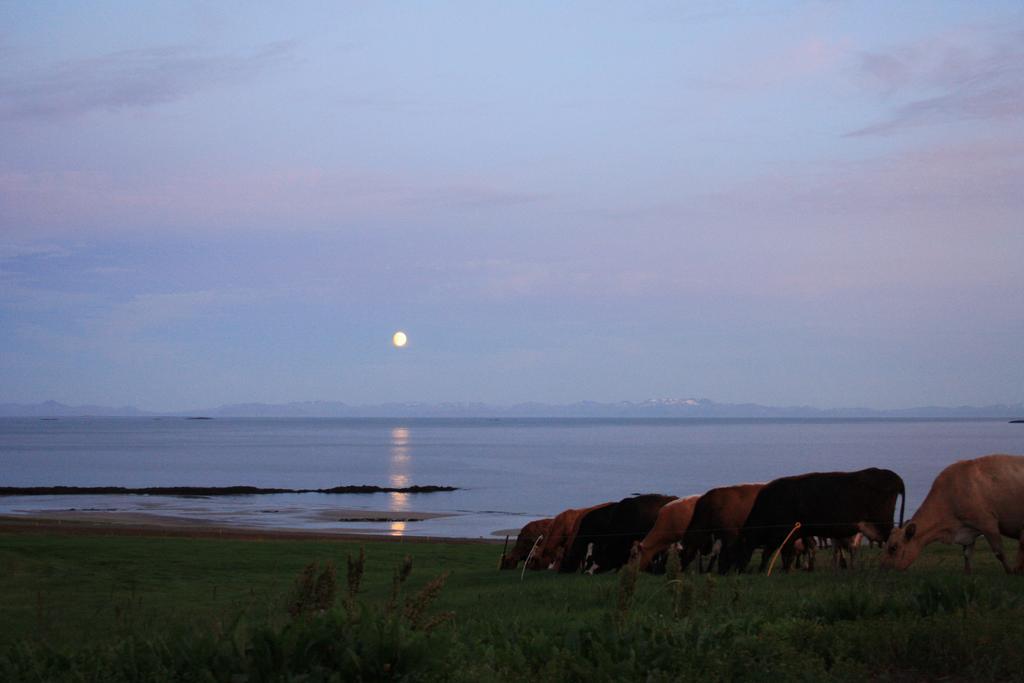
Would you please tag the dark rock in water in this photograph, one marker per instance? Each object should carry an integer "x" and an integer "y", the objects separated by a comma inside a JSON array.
[
  {"x": 1016, "y": 422},
  {"x": 384, "y": 489},
  {"x": 198, "y": 418}
]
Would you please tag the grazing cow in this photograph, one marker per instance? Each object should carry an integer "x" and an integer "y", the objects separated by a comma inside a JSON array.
[
  {"x": 525, "y": 541},
  {"x": 607, "y": 535},
  {"x": 827, "y": 504},
  {"x": 631, "y": 520},
  {"x": 841, "y": 547},
  {"x": 970, "y": 498},
  {"x": 559, "y": 538},
  {"x": 717, "y": 519},
  {"x": 672, "y": 523},
  {"x": 592, "y": 529}
]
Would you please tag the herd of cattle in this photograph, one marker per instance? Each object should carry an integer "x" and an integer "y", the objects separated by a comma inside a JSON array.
[{"x": 789, "y": 517}]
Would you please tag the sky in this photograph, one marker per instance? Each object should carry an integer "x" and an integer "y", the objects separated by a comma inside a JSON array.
[{"x": 813, "y": 203}]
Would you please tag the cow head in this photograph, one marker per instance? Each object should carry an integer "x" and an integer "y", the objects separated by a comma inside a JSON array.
[{"x": 902, "y": 547}]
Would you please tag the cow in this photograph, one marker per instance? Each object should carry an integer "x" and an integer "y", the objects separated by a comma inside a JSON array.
[
  {"x": 606, "y": 536},
  {"x": 564, "y": 525},
  {"x": 970, "y": 498},
  {"x": 848, "y": 546},
  {"x": 592, "y": 529},
  {"x": 717, "y": 519},
  {"x": 805, "y": 551},
  {"x": 672, "y": 523},
  {"x": 826, "y": 504},
  {"x": 525, "y": 541}
]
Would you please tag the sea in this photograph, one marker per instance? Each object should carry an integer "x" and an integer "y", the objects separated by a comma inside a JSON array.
[{"x": 508, "y": 471}]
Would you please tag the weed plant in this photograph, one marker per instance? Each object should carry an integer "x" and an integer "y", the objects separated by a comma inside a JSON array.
[{"x": 110, "y": 609}]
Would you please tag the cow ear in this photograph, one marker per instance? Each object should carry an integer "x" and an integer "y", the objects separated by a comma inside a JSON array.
[{"x": 909, "y": 531}]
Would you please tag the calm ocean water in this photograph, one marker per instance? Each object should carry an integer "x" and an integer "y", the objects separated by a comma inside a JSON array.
[{"x": 508, "y": 470}]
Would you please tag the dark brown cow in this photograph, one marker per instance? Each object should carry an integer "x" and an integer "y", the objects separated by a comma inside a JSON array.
[
  {"x": 718, "y": 516},
  {"x": 826, "y": 504},
  {"x": 561, "y": 533},
  {"x": 528, "y": 535},
  {"x": 606, "y": 536},
  {"x": 593, "y": 525}
]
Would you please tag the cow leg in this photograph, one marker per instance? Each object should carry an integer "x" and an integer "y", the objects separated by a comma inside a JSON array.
[
  {"x": 709, "y": 551},
  {"x": 737, "y": 556},
  {"x": 1020, "y": 554},
  {"x": 715, "y": 557},
  {"x": 809, "y": 554},
  {"x": 636, "y": 551},
  {"x": 787, "y": 558},
  {"x": 854, "y": 548},
  {"x": 995, "y": 541},
  {"x": 690, "y": 550},
  {"x": 968, "y": 552}
]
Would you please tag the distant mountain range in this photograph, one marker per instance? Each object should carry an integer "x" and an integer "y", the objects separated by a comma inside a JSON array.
[{"x": 664, "y": 407}]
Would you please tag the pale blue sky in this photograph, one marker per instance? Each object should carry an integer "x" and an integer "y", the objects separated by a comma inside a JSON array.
[{"x": 808, "y": 202}]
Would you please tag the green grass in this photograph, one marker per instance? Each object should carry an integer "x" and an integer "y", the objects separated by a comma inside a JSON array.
[{"x": 135, "y": 608}]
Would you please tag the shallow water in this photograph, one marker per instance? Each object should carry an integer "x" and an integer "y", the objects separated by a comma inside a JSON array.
[{"x": 508, "y": 471}]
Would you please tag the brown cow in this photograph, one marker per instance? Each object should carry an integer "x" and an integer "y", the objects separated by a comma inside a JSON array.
[
  {"x": 719, "y": 515},
  {"x": 673, "y": 521},
  {"x": 525, "y": 541},
  {"x": 970, "y": 498},
  {"x": 561, "y": 535}
]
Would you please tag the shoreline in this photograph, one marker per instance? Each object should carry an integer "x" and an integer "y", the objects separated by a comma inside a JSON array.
[{"x": 143, "y": 524}]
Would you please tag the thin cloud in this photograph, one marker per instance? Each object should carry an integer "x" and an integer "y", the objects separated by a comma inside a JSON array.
[
  {"x": 11, "y": 251},
  {"x": 963, "y": 104},
  {"x": 946, "y": 82},
  {"x": 310, "y": 197},
  {"x": 128, "y": 79},
  {"x": 482, "y": 196}
]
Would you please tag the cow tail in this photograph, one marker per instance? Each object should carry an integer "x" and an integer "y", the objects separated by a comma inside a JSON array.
[{"x": 903, "y": 500}]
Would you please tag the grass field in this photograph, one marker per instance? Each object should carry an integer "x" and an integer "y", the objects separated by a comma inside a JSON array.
[{"x": 83, "y": 607}]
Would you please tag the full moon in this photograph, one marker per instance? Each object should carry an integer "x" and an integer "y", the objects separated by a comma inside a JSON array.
[{"x": 399, "y": 339}]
